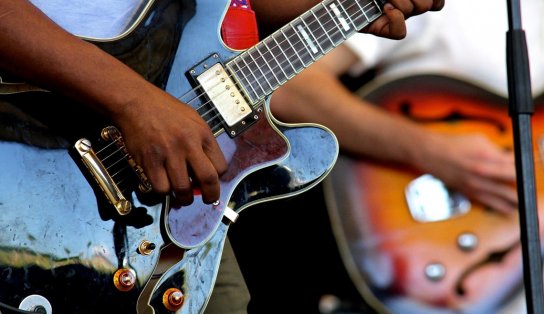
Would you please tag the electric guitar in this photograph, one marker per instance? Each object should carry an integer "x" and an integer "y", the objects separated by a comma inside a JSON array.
[
  {"x": 410, "y": 244},
  {"x": 80, "y": 230}
]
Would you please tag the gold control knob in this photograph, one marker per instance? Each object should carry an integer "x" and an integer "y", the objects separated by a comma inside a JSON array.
[
  {"x": 146, "y": 247},
  {"x": 173, "y": 299},
  {"x": 124, "y": 279}
]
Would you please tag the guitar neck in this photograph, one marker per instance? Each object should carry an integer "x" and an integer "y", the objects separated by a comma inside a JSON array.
[{"x": 266, "y": 66}]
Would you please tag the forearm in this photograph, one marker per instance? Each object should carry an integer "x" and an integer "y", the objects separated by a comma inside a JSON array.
[
  {"x": 35, "y": 49},
  {"x": 361, "y": 128}
]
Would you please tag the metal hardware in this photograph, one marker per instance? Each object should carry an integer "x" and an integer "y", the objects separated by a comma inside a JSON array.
[
  {"x": 112, "y": 134},
  {"x": 231, "y": 214},
  {"x": 221, "y": 92},
  {"x": 146, "y": 247},
  {"x": 215, "y": 81},
  {"x": 435, "y": 271},
  {"x": 467, "y": 241},
  {"x": 99, "y": 172},
  {"x": 36, "y": 303},
  {"x": 124, "y": 279},
  {"x": 429, "y": 200},
  {"x": 173, "y": 299}
]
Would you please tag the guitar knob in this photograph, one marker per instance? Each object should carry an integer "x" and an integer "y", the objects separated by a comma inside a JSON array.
[
  {"x": 146, "y": 247},
  {"x": 467, "y": 241},
  {"x": 173, "y": 299},
  {"x": 435, "y": 271},
  {"x": 124, "y": 279}
]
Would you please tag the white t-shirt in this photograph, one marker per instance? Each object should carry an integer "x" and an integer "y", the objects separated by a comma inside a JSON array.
[{"x": 466, "y": 39}]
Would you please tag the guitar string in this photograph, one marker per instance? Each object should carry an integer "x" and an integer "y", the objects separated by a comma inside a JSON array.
[
  {"x": 320, "y": 25},
  {"x": 317, "y": 17},
  {"x": 296, "y": 40},
  {"x": 301, "y": 54}
]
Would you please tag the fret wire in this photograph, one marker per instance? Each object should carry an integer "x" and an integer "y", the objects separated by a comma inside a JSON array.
[
  {"x": 340, "y": 17},
  {"x": 303, "y": 42},
  {"x": 321, "y": 24},
  {"x": 293, "y": 47},
  {"x": 266, "y": 62},
  {"x": 286, "y": 57},
  {"x": 362, "y": 9},
  {"x": 364, "y": 16},
  {"x": 334, "y": 21},
  {"x": 279, "y": 64},
  {"x": 260, "y": 70},
  {"x": 338, "y": 29},
  {"x": 347, "y": 14},
  {"x": 253, "y": 74},
  {"x": 247, "y": 80},
  {"x": 313, "y": 36}
]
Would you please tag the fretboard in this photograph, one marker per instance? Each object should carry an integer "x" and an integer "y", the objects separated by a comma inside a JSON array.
[{"x": 266, "y": 66}]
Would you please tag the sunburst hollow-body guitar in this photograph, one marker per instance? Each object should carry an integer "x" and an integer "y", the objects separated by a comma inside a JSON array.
[{"x": 407, "y": 240}]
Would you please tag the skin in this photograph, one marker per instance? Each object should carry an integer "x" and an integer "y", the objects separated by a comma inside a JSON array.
[
  {"x": 171, "y": 142},
  {"x": 471, "y": 164}
]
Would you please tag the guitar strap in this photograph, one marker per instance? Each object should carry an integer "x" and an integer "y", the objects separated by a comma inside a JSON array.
[{"x": 239, "y": 29}]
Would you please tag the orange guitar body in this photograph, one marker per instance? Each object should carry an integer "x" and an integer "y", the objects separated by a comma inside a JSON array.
[{"x": 470, "y": 261}]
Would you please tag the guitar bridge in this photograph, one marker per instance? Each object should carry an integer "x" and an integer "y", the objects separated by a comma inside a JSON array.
[{"x": 101, "y": 174}]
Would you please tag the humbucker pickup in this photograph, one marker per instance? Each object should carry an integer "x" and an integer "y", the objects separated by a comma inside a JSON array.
[{"x": 221, "y": 91}]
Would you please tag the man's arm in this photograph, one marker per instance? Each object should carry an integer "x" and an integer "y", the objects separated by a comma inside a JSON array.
[
  {"x": 166, "y": 137},
  {"x": 471, "y": 164}
]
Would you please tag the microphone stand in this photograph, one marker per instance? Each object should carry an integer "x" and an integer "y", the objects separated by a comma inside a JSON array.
[{"x": 520, "y": 111}]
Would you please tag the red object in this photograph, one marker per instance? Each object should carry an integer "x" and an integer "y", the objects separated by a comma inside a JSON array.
[{"x": 239, "y": 29}]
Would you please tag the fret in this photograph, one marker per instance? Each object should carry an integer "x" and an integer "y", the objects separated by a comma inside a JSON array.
[
  {"x": 329, "y": 25},
  {"x": 313, "y": 34},
  {"x": 293, "y": 49},
  {"x": 363, "y": 15},
  {"x": 253, "y": 74},
  {"x": 270, "y": 68},
  {"x": 285, "y": 75},
  {"x": 335, "y": 34},
  {"x": 262, "y": 69},
  {"x": 348, "y": 16},
  {"x": 284, "y": 55},
  {"x": 243, "y": 80},
  {"x": 338, "y": 19},
  {"x": 322, "y": 28},
  {"x": 306, "y": 49},
  {"x": 362, "y": 10},
  {"x": 305, "y": 40}
]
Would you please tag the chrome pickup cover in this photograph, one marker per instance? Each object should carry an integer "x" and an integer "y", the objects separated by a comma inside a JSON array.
[
  {"x": 224, "y": 94},
  {"x": 429, "y": 200}
]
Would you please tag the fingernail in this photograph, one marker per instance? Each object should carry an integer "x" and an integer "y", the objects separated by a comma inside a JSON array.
[{"x": 388, "y": 6}]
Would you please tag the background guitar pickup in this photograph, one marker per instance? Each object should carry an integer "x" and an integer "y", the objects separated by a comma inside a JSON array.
[{"x": 429, "y": 200}]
